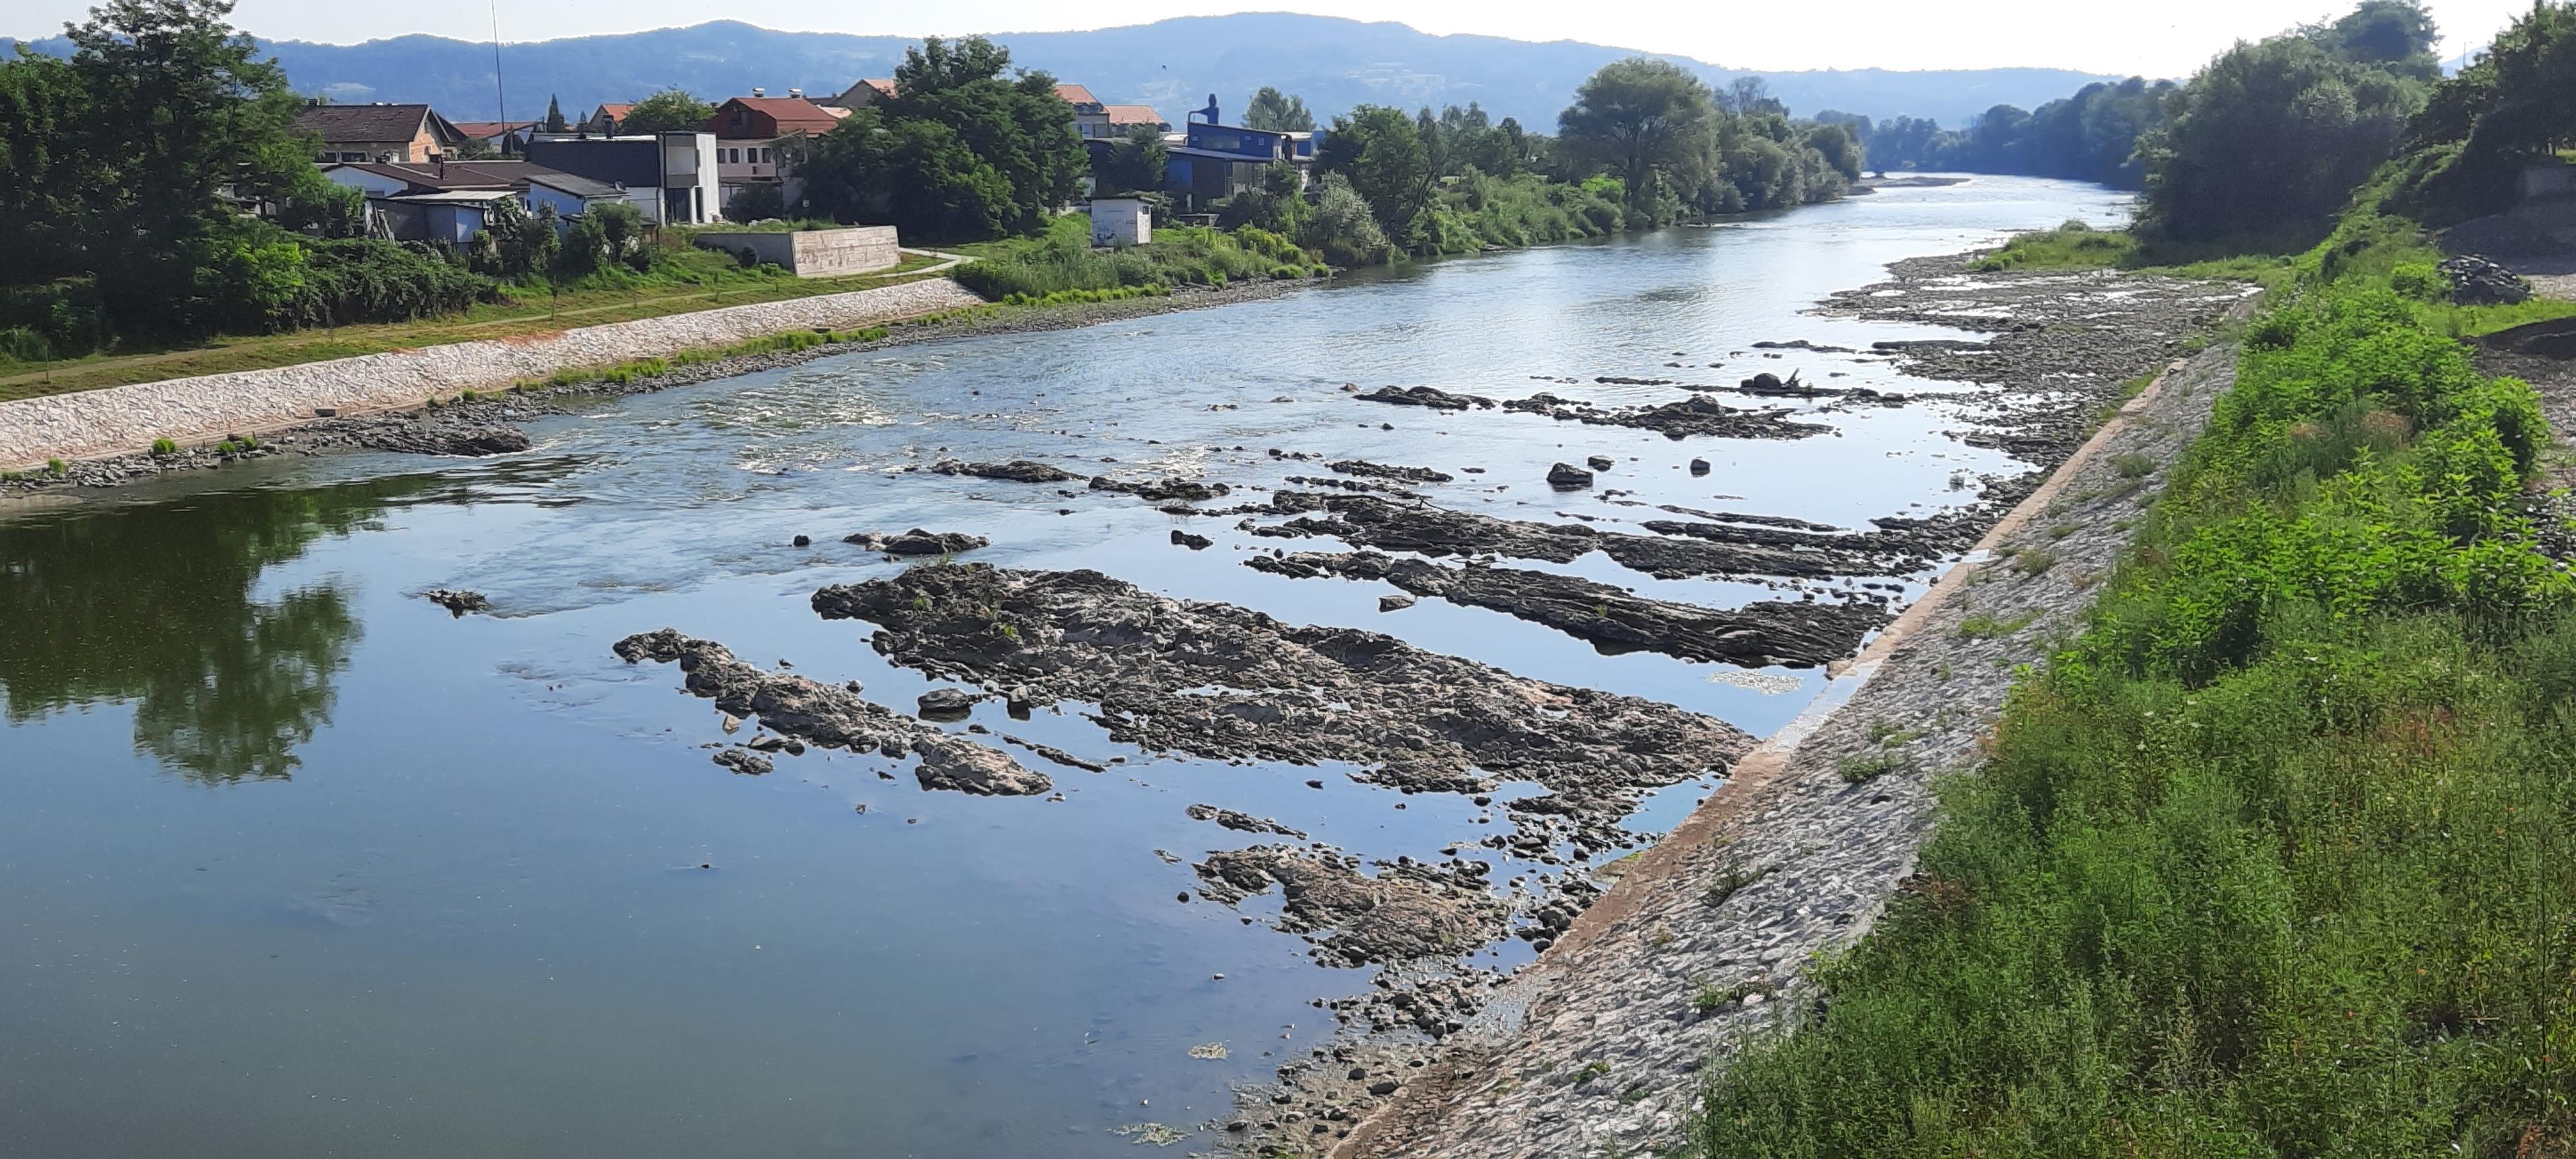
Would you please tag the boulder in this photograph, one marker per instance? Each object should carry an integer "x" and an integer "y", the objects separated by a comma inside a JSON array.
[{"x": 1567, "y": 477}]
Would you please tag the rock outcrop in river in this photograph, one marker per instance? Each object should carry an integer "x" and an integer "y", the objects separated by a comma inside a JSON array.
[
  {"x": 1224, "y": 682},
  {"x": 834, "y": 717},
  {"x": 1757, "y": 635}
]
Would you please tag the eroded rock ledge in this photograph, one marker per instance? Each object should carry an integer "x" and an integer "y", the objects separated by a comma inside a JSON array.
[
  {"x": 1757, "y": 635},
  {"x": 834, "y": 717},
  {"x": 1224, "y": 682}
]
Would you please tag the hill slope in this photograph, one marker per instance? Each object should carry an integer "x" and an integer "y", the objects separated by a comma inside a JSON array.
[{"x": 1172, "y": 64}]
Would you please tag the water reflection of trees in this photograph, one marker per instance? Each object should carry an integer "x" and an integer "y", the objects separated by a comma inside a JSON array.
[{"x": 154, "y": 603}]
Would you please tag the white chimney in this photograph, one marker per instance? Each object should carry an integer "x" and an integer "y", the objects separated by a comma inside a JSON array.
[
  {"x": 758, "y": 91},
  {"x": 796, "y": 92}
]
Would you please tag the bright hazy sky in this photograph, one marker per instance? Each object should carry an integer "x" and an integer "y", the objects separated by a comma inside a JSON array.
[{"x": 2165, "y": 38}]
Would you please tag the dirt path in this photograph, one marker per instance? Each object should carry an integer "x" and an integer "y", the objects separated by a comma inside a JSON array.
[{"x": 1706, "y": 935}]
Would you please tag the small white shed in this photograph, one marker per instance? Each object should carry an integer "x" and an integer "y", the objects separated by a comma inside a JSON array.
[{"x": 1117, "y": 221}]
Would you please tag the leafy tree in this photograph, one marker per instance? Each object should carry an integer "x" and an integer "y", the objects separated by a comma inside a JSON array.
[
  {"x": 2270, "y": 140},
  {"x": 2397, "y": 35},
  {"x": 915, "y": 173},
  {"x": 1344, "y": 226},
  {"x": 44, "y": 110},
  {"x": 326, "y": 209},
  {"x": 1839, "y": 147},
  {"x": 962, "y": 151},
  {"x": 1380, "y": 152},
  {"x": 1277, "y": 112},
  {"x": 1645, "y": 120},
  {"x": 671, "y": 110},
  {"x": 180, "y": 109},
  {"x": 758, "y": 202},
  {"x": 2513, "y": 106},
  {"x": 1131, "y": 164},
  {"x": 555, "y": 122}
]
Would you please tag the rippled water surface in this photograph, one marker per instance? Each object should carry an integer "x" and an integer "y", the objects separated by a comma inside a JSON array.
[{"x": 298, "y": 865}]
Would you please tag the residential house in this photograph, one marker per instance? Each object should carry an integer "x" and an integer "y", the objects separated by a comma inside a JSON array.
[
  {"x": 751, "y": 133},
  {"x": 862, "y": 94},
  {"x": 503, "y": 137},
  {"x": 1090, "y": 117},
  {"x": 448, "y": 201},
  {"x": 1124, "y": 119},
  {"x": 670, "y": 177},
  {"x": 571, "y": 196},
  {"x": 605, "y": 120},
  {"x": 397, "y": 133},
  {"x": 1214, "y": 161}
]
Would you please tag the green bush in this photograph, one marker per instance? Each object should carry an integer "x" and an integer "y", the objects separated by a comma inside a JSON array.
[{"x": 164, "y": 448}]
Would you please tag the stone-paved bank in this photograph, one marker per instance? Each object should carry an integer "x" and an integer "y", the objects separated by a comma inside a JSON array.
[
  {"x": 89, "y": 424},
  {"x": 1705, "y": 936},
  {"x": 485, "y": 427}
]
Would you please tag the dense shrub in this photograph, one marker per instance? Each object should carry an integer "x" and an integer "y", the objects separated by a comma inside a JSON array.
[
  {"x": 1064, "y": 260},
  {"x": 367, "y": 280},
  {"x": 57, "y": 319}
]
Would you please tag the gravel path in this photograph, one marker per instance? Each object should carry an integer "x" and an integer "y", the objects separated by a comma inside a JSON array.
[
  {"x": 1705, "y": 935},
  {"x": 89, "y": 424}
]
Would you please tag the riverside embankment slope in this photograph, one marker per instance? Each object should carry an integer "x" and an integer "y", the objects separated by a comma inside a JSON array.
[
  {"x": 123, "y": 419},
  {"x": 1705, "y": 936}
]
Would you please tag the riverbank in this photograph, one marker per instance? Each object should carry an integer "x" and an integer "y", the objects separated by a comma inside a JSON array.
[
  {"x": 1702, "y": 938},
  {"x": 230, "y": 414}
]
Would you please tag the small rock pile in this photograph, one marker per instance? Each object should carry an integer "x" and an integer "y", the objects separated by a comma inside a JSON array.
[{"x": 2480, "y": 281}]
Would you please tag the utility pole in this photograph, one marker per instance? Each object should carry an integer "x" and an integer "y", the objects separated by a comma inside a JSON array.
[{"x": 500, "y": 98}]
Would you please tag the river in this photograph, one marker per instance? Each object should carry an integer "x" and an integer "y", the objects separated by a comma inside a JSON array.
[{"x": 300, "y": 865}]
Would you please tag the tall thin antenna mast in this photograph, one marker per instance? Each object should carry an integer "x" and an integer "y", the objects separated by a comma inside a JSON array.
[{"x": 499, "y": 97}]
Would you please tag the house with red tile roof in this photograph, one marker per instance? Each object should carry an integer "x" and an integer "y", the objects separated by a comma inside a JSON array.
[{"x": 757, "y": 135}]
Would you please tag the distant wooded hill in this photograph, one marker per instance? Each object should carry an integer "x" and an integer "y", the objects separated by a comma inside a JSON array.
[{"x": 1172, "y": 64}]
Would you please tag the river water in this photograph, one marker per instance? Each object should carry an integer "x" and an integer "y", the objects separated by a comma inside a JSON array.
[{"x": 298, "y": 865}]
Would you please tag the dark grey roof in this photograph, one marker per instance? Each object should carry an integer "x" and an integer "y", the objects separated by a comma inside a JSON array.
[
  {"x": 373, "y": 122},
  {"x": 578, "y": 186}
]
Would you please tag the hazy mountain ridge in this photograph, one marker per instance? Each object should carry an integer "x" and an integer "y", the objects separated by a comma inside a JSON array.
[{"x": 1174, "y": 64}]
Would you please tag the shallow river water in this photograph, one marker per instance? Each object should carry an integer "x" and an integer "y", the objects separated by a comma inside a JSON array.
[{"x": 298, "y": 865}]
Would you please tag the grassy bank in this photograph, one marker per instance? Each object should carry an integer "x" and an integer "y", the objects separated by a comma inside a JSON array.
[
  {"x": 2278, "y": 858},
  {"x": 2078, "y": 246},
  {"x": 1062, "y": 261},
  {"x": 532, "y": 311}
]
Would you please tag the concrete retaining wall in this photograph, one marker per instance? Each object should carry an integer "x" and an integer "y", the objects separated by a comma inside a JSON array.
[
  {"x": 125, "y": 419},
  {"x": 815, "y": 253}
]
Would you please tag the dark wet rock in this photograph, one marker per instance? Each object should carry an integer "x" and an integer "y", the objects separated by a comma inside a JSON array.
[
  {"x": 1429, "y": 396},
  {"x": 1758, "y": 635},
  {"x": 744, "y": 761},
  {"x": 1057, "y": 755},
  {"x": 1384, "y": 471},
  {"x": 946, "y": 704},
  {"x": 833, "y": 716},
  {"x": 918, "y": 542},
  {"x": 1224, "y": 682},
  {"x": 1768, "y": 383},
  {"x": 1568, "y": 477},
  {"x": 1367, "y": 521},
  {"x": 1160, "y": 490},
  {"x": 457, "y": 603},
  {"x": 801, "y": 541},
  {"x": 428, "y": 437},
  {"x": 1600, "y": 462},
  {"x": 1016, "y": 471},
  {"x": 1699, "y": 466},
  {"x": 1241, "y": 822},
  {"x": 1803, "y": 344},
  {"x": 1406, "y": 912},
  {"x": 1192, "y": 542},
  {"x": 1696, "y": 415},
  {"x": 1621, "y": 380},
  {"x": 2482, "y": 281},
  {"x": 1384, "y": 603}
]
